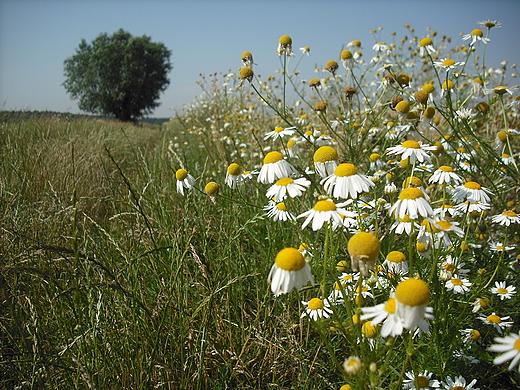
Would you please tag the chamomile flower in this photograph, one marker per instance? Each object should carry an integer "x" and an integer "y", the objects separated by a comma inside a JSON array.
[
  {"x": 346, "y": 182},
  {"x": 421, "y": 381},
  {"x": 247, "y": 59},
  {"x": 395, "y": 262},
  {"x": 411, "y": 298},
  {"x": 184, "y": 180},
  {"x": 499, "y": 323},
  {"x": 472, "y": 207},
  {"x": 288, "y": 187},
  {"x": 347, "y": 59},
  {"x": 380, "y": 47},
  {"x": 470, "y": 335},
  {"x": 275, "y": 168},
  {"x": 458, "y": 285},
  {"x": 289, "y": 271},
  {"x": 306, "y": 50},
  {"x": 411, "y": 202},
  {"x": 506, "y": 218},
  {"x": 233, "y": 175},
  {"x": 471, "y": 191},
  {"x": 385, "y": 313},
  {"x": 476, "y": 36},
  {"x": 278, "y": 212},
  {"x": 458, "y": 383},
  {"x": 426, "y": 46},
  {"x": 285, "y": 46},
  {"x": 280, "y": 132},
  {"x": 490, "y": 24},
  {"x": 326, "y": 211},
  {"x": 503, "y": 290},
  {"x": 510, "y": 346},
  {"x": 501, "y": 90},
  {"x": 465, "y": 114},
  {"x": 363, "y": 249},
  {"x": 325, "y": 160},
  {"x": 447, "y": 64},
  {"x": 443, "y": 227},
  {"x": 402, "y": 225},
  {"x": 445, "y": 175},
  {"x": 498, "y": 246},
  {"x": 413, "y": 150},
  {"x": 316, "y": 308},
  {"x": 352, "y": 365}
]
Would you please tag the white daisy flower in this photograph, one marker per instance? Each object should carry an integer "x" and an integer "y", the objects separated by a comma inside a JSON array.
[
  {"x": 326, "y": 211},
  {"x": 458, "y": 286},
  {"x": 352, "y": 365},
  {"x": 287, "y": 187},
  {"x": 458, "y": 383},
  {"x": 402, "y": 225},
  {"x": 510, "y": 346},
  {"x": 499, "y": 323},
  {"x": 503, "y": 290},
  {"x": 476, "y": 36},
  {"x": 442, "y": 228},
  {"x": 447, "y": 64},
  {"x": 471, "y": 191},
  {"x": 500, "y": 247},
  {"x": 275, "y": 168},
  {"x": 395, "y": 262},
  {"x": 280, "y": 132},
  {"x": 411, "y": 202},
  {"x": 278, "y": 212},
  {"x": 346, "y": 182},
  {"x": 414, "y": 150},
  {"x": 506, "y": 218},
  {"x": 184, "y": 180},
  {"x": 423, "y": 380},
  {"x": 472, "y": 206},
  {"x": 385, "y": 313},
  {"x": 445, "y": 175},
  {"x": 233, "y": 175},
  {"x": 411, "y": 298},
  {"x": 289, "y": 271},
  {"x": 426, "y": 47},
  {"x": 325, "y": 160},
  {"x": 316, "y": 308},
  {"x": 306, "y": 50}
]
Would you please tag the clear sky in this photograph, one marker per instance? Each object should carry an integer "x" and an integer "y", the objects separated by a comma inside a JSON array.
[{"x": 36, "y": 36}]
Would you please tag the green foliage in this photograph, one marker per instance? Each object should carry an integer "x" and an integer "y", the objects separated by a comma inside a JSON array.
[{"x": 118, "y": 75}]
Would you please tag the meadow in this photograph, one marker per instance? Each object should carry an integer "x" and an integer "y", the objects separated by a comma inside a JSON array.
[{"x": 355, "y": 228}]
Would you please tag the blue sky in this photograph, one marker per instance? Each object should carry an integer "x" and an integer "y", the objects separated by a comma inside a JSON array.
[{"x": 36, "y": 36}]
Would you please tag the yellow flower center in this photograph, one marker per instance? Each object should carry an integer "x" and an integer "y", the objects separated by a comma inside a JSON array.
[
  {"x": 284, "y": 182},
  {"x": 245, "y": 73},
  {"x": 325, "y": 205},
  {"x": 325, "y": 153},
  {"x": 458, "y": 388},
  {"x": 411, "y": 144},
  {"x": 181, "y": 174},
  {"x": 516, "y": 345},
  {"x": 396, "y": 257},
  {"x": 472, "y": 185},
  {"x": 356, "y": 42},
  {"x": 494, "y": 319},
  {"x": 315, "y": 304},
  {"x": 346, "y": 169},
  {"x": 390, "y": 306},
  {"x": 474, "y": 334},
  {"x": 369, "y": 330},
  {"x": 443, "y": 225},
  {"x": 234, "y": 169},
  {"x": 422, "y": 381},
  {"x": 290, "y": 259},
  {"x": 285, "y": 40},
  {"x": 374, "y": 157},
  {"x": 281, "y": 206},
  {"x": 346, "y": 55},
  {"x": 411, "y": 193},
  {"x": 477, "y": 32},
  {"x": 429, "y": 112},
  {"x": 448, "y": 63},
  {"x": 403, "y": 107},
  {"x": 428, "y": 88},
  {"x": 364, "y": 246},
  {"x": 457, "y": 282},
  {"x": 502, "y": 291},
  {"x": 278, "y": 129},
  {"x": 446, "y": 168},
  {"x": 484, "y": 302},
  {"x": 291, "y": 143},
  {"x": 246, "y": 54},
  {"x": 211, "y": 188},
  {"x": 448, "y": 84},
  {"x": 502, "y": 135},
  {"x": 273, "y": 157},
  {"x": 509, "y": 213},
  {"x": 412, "y": 292},
  {"x": 405, "y": 219},
  {"x": 425, "y": 42}
]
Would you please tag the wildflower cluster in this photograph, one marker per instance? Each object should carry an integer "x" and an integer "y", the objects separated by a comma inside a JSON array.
[{"x": 404, "y": 189}]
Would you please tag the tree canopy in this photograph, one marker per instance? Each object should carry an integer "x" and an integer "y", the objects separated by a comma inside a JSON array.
[{"x": 119, "y": 75}]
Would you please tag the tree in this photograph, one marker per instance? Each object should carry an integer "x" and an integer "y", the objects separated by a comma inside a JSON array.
[{"x": 118, "y": 75}]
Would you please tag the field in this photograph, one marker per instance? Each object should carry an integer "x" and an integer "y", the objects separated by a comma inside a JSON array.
[{"x": 149, "y": 256}]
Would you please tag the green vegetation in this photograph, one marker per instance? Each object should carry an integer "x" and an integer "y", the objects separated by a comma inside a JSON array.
[{"x": 111, "y": 278}]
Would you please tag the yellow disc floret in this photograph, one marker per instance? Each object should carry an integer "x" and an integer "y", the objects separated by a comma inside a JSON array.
[
  {"x": 345, "y": 169},
  {"x": 364, "y": 246},
  {"x": 472, "y": 185},
  {"x": 290, "y": 259},
  {"x": 425, "y": 42},
  {"x": 315, "y": 304},
  {"x": 284, "y": 182},
  {"x": 234, "y": 169},
  {"x": 325, "y": 153},
  {"x": 325, "y": 205},
  {"x": 411, "y": 144},
  {"x": 181, "y": 174},
  {"x": 396, "y": 257},
  {"x": 211, "y": 188},
  {"x": 412, "y": 292},
  {"x": 273, "y": 157},
  {"x": 411, "y": 193},
  {"x": 285, "y": 40}
]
